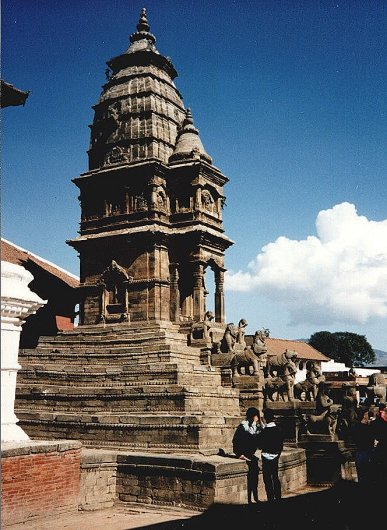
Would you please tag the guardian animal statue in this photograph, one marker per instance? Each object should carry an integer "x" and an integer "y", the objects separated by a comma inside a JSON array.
[
  {"x": 282, "y": 366},
  {"x": 307, "y": 390},
  {"x": 281, "y": 386},
  {"x": 349, "y": 411},
  {"x": 324, "y": 421},
  {"x": 376, "y": 388},
  {"x": 276, "y": 364},
  {"x": 244, "y": 360}
]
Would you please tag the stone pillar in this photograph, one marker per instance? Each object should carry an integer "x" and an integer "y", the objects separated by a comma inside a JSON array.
[
  {"x": 17, "y": 303},
  {"x": 158, "y": 273},
  {"x": 175, "y": 294},
  {"x": 198, "y": 292},
  {"x": 219, "y": 295}
]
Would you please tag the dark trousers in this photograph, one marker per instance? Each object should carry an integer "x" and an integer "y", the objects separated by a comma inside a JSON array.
[
  {"x": 270, "y": 478},
  {"x": 252, "y": 479},
  {"x": 363, "y": 466}
]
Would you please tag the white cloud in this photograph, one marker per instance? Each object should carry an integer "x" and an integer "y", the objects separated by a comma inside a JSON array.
[{"x": 338, "y": 276}]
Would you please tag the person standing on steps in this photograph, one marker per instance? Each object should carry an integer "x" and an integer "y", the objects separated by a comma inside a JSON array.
[
  {"x": 245, "y": 443},
  {"x": 272, "y": 442}
]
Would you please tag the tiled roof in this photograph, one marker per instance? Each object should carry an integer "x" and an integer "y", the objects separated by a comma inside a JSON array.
[
  {"x": 12, "y": 96},
  {"x": 14, "y": 254},
  {"x": 304, "y": 350}
]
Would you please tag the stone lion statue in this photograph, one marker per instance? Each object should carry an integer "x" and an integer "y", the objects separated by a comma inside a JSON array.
[{"x": 243, "y": 360}]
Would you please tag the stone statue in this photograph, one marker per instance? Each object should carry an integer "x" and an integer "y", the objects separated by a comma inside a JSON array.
[
  {"x": 280, "y": 371},
  {"x": 244, "y": 359},
  {"x": 276, "y": 364},
  {"x": 240, "y": 338},
  {"x": 324, "y": 421},
  {"x": 201, "y": 330},
  {"x": 229, "y": 338},
  {"x": 259, "y": 346},
  {"x": 282, "y": 384},
  {"x": 308, "y": 388},
  {"x": 376, "y": 388},
  {"x": 348, "y": 415}
]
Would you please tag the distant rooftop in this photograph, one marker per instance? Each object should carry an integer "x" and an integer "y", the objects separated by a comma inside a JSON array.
[
  {"x": 303, "y": 349},
  {"x": 19, "y": 256},
  {"x": 12, "y": 96}
]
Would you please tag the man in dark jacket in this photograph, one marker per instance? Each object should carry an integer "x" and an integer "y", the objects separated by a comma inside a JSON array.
[{"x": 272, "y": 442}]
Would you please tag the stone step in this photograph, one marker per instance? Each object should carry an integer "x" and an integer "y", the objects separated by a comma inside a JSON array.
[
  {"x": 110, "y": 357},
  {"x": 117, "y": 377},
  {"x": 168, "y": 433},
  {"x": 125, "y": 332},
  {"x": 135, "y": 400}
]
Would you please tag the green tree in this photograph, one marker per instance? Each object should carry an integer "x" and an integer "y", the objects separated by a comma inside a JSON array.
[{"x": 344, "y": 347}]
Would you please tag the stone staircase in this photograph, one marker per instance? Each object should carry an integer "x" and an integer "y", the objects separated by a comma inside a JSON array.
[{"x": 129, "y": 386}]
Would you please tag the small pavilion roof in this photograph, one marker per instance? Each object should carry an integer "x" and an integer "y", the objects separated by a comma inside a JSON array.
[{"x": 188, "y": 143}]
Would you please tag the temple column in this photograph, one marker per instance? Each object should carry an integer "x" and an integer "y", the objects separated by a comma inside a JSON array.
[
  {"x": 17, "y": 303},
  {"x": 175, "y": 293},
  {"x": 219, "y": 295},
  {"x": 198, "y": 292}
]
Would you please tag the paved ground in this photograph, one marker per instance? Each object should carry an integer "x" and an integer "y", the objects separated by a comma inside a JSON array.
[{"x": 343, "y": 507}]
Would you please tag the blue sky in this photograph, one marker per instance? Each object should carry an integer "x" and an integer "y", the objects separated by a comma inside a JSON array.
[{"x": 290, "y": 100}]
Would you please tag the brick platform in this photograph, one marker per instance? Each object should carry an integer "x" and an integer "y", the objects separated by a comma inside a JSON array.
[{"x": 39, "y": 479}]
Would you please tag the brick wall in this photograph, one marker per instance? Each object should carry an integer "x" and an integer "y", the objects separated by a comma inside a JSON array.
[{"x": 39, "y": 479}]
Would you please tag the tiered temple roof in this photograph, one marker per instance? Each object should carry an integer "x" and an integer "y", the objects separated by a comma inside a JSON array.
[{"x": 140, "y": 111}]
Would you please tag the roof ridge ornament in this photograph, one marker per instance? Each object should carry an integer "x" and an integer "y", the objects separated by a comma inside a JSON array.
[{"x": 143, "y": 29}]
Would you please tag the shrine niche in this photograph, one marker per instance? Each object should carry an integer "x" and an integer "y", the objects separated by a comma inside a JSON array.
[
  {"x": 116, "y": 156},
  {"x": 114, "y": 294}
]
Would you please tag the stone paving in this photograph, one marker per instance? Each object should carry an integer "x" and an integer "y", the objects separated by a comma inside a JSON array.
[
  {"x": 129, "y": 516},
  {"x": 345, "y": 506}
]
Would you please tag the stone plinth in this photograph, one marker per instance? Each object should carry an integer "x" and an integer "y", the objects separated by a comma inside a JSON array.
[
  {"x": 288, "y": 415},
  {"x": 327, "y": 459},
  {"x": 197, "y": 481},
  {"x": 131, "y": 386}
]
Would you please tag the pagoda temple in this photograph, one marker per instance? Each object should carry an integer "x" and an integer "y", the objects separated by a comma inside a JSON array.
[
  {"x": 151, "y": 228},
  {"x": 151, "y": 222}
]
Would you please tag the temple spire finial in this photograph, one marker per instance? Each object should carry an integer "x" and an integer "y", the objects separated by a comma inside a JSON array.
[
  {"x": 143, "y": 24},
  {"x": 143, "y": 30}
]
